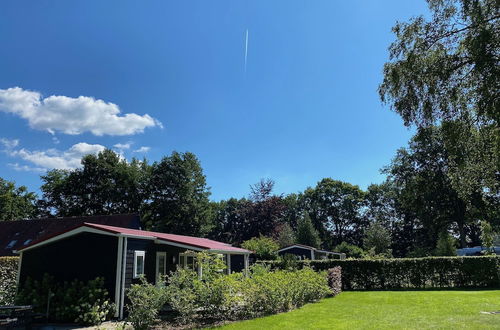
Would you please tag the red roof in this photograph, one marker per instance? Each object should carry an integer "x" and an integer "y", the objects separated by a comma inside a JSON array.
[
  {"x": 198, "y": 242},
  {"x": 19, "y": 234}
]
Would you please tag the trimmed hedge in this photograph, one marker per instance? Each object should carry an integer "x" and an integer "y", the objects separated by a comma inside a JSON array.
[
  {"x": 8, "y": 279},
  {"x": 413, "y": 273}
]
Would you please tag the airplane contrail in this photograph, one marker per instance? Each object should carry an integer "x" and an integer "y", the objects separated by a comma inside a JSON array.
[{"x": 246, "y": 50}]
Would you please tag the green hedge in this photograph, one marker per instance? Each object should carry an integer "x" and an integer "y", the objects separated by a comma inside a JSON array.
[
  {"x": 413, "y": 273},
  {"x": 8, "y": 279}
]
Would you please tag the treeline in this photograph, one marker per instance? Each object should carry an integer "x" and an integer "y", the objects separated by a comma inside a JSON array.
[{"x": 406, "y": 215}]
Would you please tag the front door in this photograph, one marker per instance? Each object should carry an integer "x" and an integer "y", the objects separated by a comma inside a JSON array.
[{"x": 161, "y": 265}]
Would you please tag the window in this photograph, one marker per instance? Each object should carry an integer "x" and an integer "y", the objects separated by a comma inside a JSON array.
[
  {"x": 11, "y": 244},
  {"x": 28, "y": 241},
  {"x": 139, "y": 257},
  {"x": 186, "y": 260}
]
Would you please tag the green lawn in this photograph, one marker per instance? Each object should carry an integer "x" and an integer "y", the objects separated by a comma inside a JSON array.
[{"x": 389, "y": 310}]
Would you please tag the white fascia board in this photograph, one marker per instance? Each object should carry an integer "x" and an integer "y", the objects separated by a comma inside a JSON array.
[
  {"x": 295, "y": 246},
  {"x": 70, "y": 233}
]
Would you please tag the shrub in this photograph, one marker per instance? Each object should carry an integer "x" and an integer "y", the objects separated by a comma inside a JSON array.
[
  {"x": 334, "y": 276},
  {"x": 416, "y": 273},
  {"x": 146, "y": 301},
  {"x": 264, "y": 247},
  {"x": 182, "y": 293},
  {"x": 76, "y": 301},
  {"x": 280, "y": 291},
  {"x": 351, "y": 251},
  {"x": 219, "y": 297},
  {"x": 8, "y": 278}
]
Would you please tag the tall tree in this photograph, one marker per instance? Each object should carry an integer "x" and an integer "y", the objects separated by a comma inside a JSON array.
[
  {"x": 16, "y": 202},
  {"x": 178, "y": 201},
  {"x": 105, "y": 184},
  {"x": 427, "y": 194},
  {"x": 445, "y": 70},
  {"x": 377, "y": 239},
  {"x": 285, "y": 235},
  {"x": 336, "y": 209},
  {"x": 306, "y": 233}
]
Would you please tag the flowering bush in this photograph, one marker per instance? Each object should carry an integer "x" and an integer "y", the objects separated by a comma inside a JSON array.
[
  {"x": 217, "y": 296},
  {"x": 76, "y": 301},
  {"x": 145, "y": 302},
  {"x": 8, "y": 274}
]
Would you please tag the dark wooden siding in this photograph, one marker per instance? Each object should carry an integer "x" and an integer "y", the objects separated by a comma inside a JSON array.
[
  {"x": 84, "y": 257},
  {"x": 298, "y": 251},
  {"x": 150, "y": 261}
]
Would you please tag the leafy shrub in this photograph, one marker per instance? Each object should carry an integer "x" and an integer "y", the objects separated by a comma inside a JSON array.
[
  {"x": 351, "y": 251},
  {"x": 217, "y": 296},
  {"x": 182, "y": 291},
  {"x": 146, "y": 301},
  {"x": 8, "y": 278},
  {"x": 418, "y": 273},
  {"x": 334, "y": 276},
  {"x": 264, "y": 247},
  {"x": 289, "y": 262},
  {"x": 75, "y": 301}
]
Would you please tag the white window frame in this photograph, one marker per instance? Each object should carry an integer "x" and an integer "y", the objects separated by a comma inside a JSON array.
[{"x": 136, "y": 255}]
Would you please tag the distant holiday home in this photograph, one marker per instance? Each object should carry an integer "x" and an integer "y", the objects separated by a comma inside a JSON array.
[
  {"x": 119, "y": 255},
  {"x": 303, "y": 252}
]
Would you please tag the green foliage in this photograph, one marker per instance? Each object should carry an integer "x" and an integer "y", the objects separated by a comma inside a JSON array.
[
  {"x": 178, "y": 196},
  {"x": 289, "y": 261},
  {"x": 217, "y": 296},
  {"x": 8, "y": 277},
  {"x": 445, "y": 66},
  {"x": 487, "y": 237},
  {"x": 106, "y": 184},
  {"x": 351, "y": 251},
  {"x": 16, "y": 202},
  {"x": 76, "y": 301},
  {"x": 378, "y": 240},
  {"x": 146, "y": 300},
  {"x": 444, "y": 69},
  {"x": 264, "y": 247},
  {"x": 306, "y": 233},
  {"x": 335, "y": 208},
  {"x": 445, "y": 245},
  {"x": 285, "y": 236},
  {"x": 427, "y": 197},
  {"x": 413, "y": 273}
]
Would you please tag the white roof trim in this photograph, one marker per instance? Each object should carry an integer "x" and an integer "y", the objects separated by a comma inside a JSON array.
[{"x": 296, "y": 246}]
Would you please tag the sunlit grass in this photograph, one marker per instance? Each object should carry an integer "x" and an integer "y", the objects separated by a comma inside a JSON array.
[{"x": 389, "y": 310}]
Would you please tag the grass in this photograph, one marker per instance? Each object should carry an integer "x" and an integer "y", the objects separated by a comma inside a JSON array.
[{"x": 389, "y": 310}]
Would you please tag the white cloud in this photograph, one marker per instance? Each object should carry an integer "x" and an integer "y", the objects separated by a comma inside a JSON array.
[
  {"x": 72, "y": 115},
  {"x": 53, "y": 158},
  {"x": 9, "y": 143},
  {"x": 142, "y": 149},
  {"x": 123, "y": 146},
  {"x": 26, "y": 168}
]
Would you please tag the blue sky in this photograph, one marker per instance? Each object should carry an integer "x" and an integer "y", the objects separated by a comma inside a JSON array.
[{"x": 305, "y": 108}]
